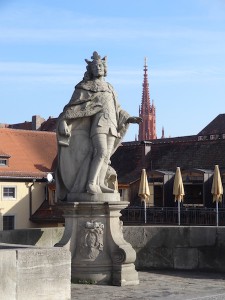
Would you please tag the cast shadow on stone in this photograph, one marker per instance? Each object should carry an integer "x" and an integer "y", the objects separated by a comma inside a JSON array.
[
  {"x": 20, "y": 236},
  {"x": 190, "y": 274},
  {"x": 187, "y": 249}
]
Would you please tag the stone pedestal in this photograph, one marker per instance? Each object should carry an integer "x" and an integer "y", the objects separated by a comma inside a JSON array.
[{"x": 93, "y": 234}]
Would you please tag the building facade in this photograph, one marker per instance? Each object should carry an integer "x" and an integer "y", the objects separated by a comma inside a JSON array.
[
  {"x": 196, "y": 155},
  {"x": 26, "y": 159},
  {"x": 28, "y": 156}
]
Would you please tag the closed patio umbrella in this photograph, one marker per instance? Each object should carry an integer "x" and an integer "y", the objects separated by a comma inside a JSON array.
[
  {"x": 144, "y": 192},
  {"x": 217, "y": 190},
  {"x": 178, "y": 190}
]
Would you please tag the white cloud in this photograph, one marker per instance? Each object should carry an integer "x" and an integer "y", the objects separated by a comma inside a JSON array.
[{"x": 67, "y": 74}]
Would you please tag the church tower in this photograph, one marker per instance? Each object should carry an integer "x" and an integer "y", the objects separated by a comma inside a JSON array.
[{"x": 147, "y": 129}]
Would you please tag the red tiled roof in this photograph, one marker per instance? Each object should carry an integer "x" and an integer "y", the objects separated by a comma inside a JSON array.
[
  {"x": 32, "y": 153},
  {"x": 49, "y": 125},
  {"x": 23, "y": 126},
  {"x": 127, "y": 161},
  {"x": 3, "y": 154},
  {"x": 167, "y": 154},
  {"x": 217, "y": 126},
  {"x": 187, "y": 155}
]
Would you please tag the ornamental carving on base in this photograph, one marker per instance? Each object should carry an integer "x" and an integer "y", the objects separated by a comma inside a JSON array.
[
  {"x": 91, "y": 239},
  {"x": 119, "y": 256}
]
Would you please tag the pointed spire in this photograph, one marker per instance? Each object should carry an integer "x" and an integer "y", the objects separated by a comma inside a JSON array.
[
  {"x": 147, "y": 128},
  {"x": 145, "y": 105}
]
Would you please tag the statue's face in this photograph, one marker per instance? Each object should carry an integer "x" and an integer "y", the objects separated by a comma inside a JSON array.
[{"x": 97, "y": 69}]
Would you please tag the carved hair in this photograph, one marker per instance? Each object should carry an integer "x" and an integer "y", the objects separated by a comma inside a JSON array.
[{"x": 88, "y": 75}]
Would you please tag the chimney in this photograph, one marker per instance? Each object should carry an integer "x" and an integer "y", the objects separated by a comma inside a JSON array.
[
  {"x": 145, "y": 150},
  {"x": 36, "y": 122}
]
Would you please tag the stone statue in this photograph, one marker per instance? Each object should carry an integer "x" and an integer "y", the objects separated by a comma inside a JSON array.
[{"x": 89, "y": 130}]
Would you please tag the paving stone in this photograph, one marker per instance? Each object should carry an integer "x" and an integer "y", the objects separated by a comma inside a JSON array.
[{"x": 170, "y": 285}]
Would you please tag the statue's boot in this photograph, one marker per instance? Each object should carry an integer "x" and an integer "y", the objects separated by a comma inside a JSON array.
[
  {"x": 104, "y": 188},
  {"x": 93, "y": 188}
]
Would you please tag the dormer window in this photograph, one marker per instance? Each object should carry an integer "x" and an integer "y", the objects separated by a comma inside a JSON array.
[
  {"x": 4, "y": 160},
  {"x": 213, "y": 136}
]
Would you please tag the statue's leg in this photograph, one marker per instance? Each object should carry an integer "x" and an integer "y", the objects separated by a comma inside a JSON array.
[
  {"x": 103, "y": 171},
  {"x": 99, "y": 142}
]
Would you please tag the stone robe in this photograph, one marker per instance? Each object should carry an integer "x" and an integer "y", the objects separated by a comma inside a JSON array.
[{"x": 93, "y": 109}]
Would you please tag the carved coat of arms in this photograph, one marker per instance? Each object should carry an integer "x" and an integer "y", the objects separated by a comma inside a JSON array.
[{"x": 91, "y": 239}]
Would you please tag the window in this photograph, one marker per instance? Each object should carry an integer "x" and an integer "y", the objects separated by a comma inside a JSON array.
[
  {"x": 193, "y": 194},
  {"x": 8, "y": 222},
  {"x": 3, "y": 162},
  {"x": 202, "y": 137},
  {"x": 9, "y": 192},
  {"x": 213, "y": 136}
]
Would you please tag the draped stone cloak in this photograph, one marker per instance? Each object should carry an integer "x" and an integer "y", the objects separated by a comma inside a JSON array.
[{"x": 75, "y": 150}]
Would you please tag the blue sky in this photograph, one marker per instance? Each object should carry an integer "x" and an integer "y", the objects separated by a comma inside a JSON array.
[{"x": 43, "y": 45}]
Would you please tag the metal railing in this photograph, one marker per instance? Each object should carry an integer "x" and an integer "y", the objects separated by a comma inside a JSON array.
[{"x": 169, "y": 216}]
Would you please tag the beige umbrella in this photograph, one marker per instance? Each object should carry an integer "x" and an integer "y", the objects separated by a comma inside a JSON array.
[
  {"x": 144, "y": 191},
  {"x": 217, "y": 190},
  {"x": 178, "y": 190}
]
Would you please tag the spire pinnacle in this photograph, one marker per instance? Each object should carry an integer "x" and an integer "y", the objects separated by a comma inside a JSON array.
[{"x": 145, "y": 61}]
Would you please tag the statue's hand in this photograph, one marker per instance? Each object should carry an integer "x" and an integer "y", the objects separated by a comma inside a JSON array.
[
  {"x": 63, "y": 128},
  {"x": 137, "y": 120}
]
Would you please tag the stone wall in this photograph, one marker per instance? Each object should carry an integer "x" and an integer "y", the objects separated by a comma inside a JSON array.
[
  {"x": 34, "y": 273},
  {"x": 187, "y": 248},
  {"x": 157, "y": 247}
]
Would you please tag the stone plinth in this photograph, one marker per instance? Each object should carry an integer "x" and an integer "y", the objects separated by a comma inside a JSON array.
[{"x": 93, "y": 234}]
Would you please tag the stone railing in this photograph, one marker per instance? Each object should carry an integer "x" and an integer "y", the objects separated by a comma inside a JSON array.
[{"x": 157, "y": 247}]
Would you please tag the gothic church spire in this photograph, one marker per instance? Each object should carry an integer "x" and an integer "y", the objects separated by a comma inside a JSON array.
[{"x": 147, "y": 129}]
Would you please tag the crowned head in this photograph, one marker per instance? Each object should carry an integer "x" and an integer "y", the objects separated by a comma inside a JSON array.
[{"x": 97, "y": 67}]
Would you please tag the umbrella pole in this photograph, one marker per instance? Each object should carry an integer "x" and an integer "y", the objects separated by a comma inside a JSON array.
[
  {"x": 145, "y": 211},
  {"x": 217, "y": 214},
  {"x": 178, "y": 212}
]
